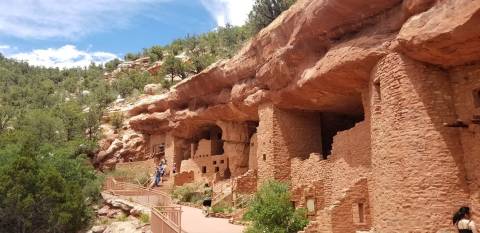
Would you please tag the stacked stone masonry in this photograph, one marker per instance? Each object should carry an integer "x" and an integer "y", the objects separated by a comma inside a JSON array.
[{"x": 369, "y": 109}]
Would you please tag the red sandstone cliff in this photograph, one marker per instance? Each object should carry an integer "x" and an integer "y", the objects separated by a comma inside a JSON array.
[{"x": 393, "y": 62}]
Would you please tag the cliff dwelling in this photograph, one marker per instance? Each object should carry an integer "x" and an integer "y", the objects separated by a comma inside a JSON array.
[{"x": 351, "y": 107}]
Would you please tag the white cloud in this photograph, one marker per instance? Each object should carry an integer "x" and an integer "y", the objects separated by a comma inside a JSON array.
[
  {"x": 4, "y": 46},
  {"x": 67, "y": 56},
  {"x": 234, "y": 12},
  {"x": 43, "y": 19}
]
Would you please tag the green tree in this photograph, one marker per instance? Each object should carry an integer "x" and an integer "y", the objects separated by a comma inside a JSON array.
[
  {"x": 35, "y": 197},
  {"x": 112, "y": 65},
  {"x": 174, "y": 67},
  {"x": 265, "y": 11},
  {"x": 272, "y": 211},
  {"x": 155, "y": 53},
  {"x": 131, "y": 56}
]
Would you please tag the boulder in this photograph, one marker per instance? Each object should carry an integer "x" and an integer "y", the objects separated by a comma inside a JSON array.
[
  {"x": 98, "y": 229},
  {"x": 152, "y": 89}
]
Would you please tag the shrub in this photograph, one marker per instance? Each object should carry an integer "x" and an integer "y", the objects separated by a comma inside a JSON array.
[
  {"x": 191, "y": 193},
  {"x": 222, "y": 208},
  {"x": 145, "y": 218},
  {"x": 271, "y": 211},
  {"x": 117, "y": 120},
  {"x": 122, "y": 218}
]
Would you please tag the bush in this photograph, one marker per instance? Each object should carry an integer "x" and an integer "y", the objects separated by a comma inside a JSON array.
[
  {"x": 191, "y": 193},
  {"x": 271, "y": 211},
  {"x": 222, "y": 208},
  {"x": 122, "y": 218},
  {"x": 116, "y": 119},
  {"x": 145, "y": 218}
]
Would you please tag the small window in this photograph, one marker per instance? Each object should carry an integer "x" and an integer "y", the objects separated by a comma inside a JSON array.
[
  {"x": 204, "y": 169},
  {"x": 476, "y": 97},
  {"x": 217, "y": 169},
  {"x": 361, "y": 212},
  {"x": 311, "y": 205},
  {"x": 264, "y": 157},
  {"x": 214, "y": 162},
  {"x": 222, "y": 162}
]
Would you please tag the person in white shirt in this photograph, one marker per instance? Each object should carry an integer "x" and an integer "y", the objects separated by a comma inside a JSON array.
[{"x": 463, "y": 222}]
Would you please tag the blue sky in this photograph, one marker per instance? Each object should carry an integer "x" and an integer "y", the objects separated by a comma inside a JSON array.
[{"x": 67, "y": 33}]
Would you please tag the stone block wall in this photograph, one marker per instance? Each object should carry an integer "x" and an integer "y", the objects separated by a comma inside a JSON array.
[
  {"x": 417, "y": 163},
  {"x": 350, "y": 159},
  {"x": 155, "y": 140},
  {"x": 265, "y": 150},
  {"x": 466, "y": 96},
  {"x": 282, "y": 135},
  {"x": 352, "y": 212},
  {"x": 184, "y": 178},
  {"x": 246, "y": 183},
  {"x": 211, "y": 163},
  {"x": 340, "y": 177},
  {"x": 176, "y": 149},
  {"x": 252, "y": 154}
]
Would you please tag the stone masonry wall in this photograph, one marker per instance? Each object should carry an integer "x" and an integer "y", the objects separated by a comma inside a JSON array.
[
  {"x": 346, "y": 214},
  {"x": 417, "y": 163},
  {"x": 340, "y": 175},
  {"x": 351, "y": 159},
  {"x": 285, "y": 134},
  {"x": 466, "y": 89},
  {"x": 184, "y": 177},
  {"x": 252, "y": 154},
  {"x": 265, "y": 151},
  {"x": 246, "y": 183}
]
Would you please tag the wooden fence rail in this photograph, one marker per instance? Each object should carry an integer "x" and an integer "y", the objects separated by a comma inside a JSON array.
[{"x": 164, "y": 218}]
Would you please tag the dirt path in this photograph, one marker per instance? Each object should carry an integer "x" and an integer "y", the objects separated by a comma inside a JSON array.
[{"x": 193, "y": 221}]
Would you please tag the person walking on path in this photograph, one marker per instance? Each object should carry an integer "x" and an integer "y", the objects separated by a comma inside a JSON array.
[
  {"x": 158, "y": 174},
  {"x": 463, "y": 222},
  {"x": 163, "y": 171}
]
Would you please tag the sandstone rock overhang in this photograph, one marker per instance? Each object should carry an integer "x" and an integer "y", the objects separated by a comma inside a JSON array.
[{"x": 316, "y": 56}]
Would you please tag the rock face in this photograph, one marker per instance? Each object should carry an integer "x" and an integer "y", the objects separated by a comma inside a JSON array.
[{"x": 347, "y": 100}]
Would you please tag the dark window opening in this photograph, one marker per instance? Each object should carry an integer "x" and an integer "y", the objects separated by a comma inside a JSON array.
[
  {"x": 204, "y": 169},
  {"x": 476, "y": 97},
  {"x": 214, "y": 162},
  {"x": 217, "y": 142},
  {"x": 222, "y": 162},
  {"x": 361, "y": 213},
  {"x": 264, "y": 157},
  {"x": 217, "y": 169},
  {"x": 159, "y": 150},
  {"x": 333, "y": 123}
]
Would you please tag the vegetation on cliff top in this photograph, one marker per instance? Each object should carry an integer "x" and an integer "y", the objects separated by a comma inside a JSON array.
[{"x": 191, "y": 55}]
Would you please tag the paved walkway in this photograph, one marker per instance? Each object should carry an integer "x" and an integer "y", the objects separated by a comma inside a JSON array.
[{"x": 193, "y": 221}]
